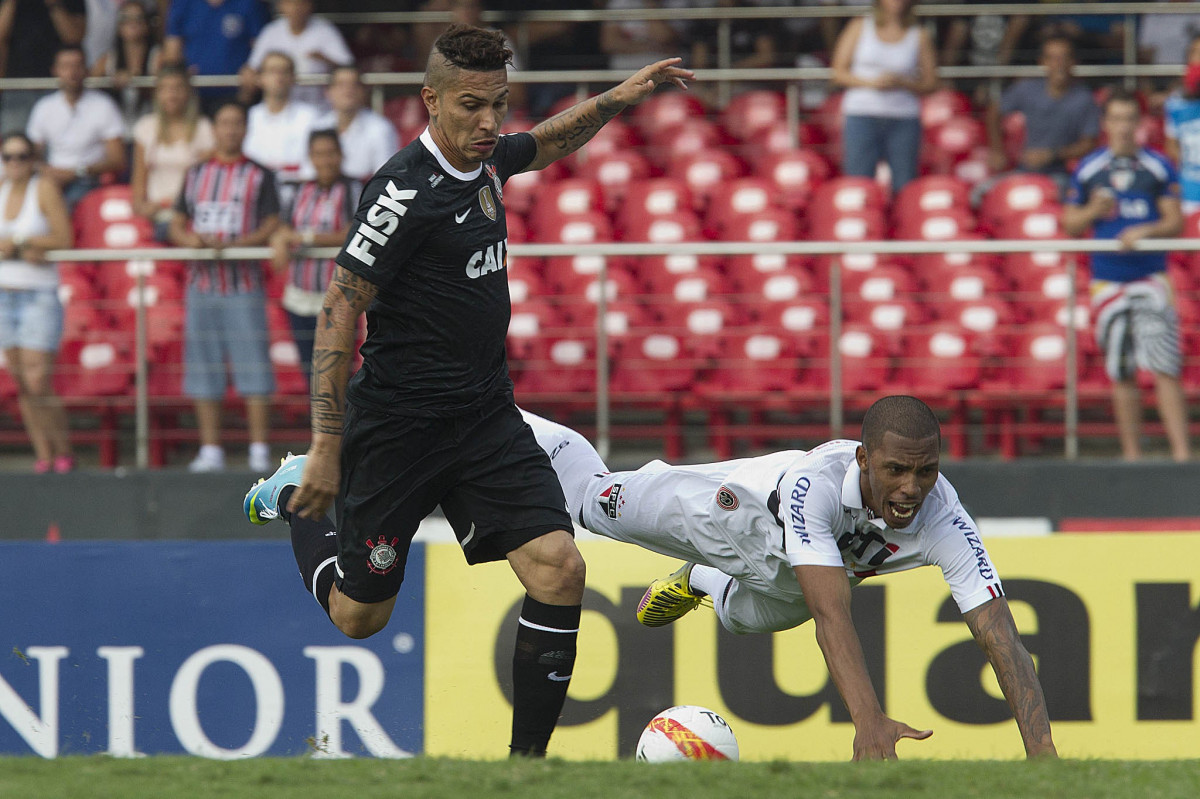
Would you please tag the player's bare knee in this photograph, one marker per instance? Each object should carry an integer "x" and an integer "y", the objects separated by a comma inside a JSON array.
[
  {"x": 359, "y": 627},
  {"x": 569, "y": 574}
]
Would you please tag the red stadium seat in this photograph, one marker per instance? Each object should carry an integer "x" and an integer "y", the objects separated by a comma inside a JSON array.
[
  {"x": 850, "y": 226},
  {"x": 697, "y": 136},
  {"x": 1037, "y": 360},
  {"x": 932, "y": 195},
  {"x": 865, "y": 363},
  {"x": 566, "y": 197},
  {"x": 586, "y": 228},
  {"x": 961, "y": 284},
  {"x": 805, "y": 321},
  {"x": 1017, "y": 194},
  {"x": 701, "y": 323},
  {"x": 747, "y": 195},
  {"x": 706, "y": 173},
  {"x": 1043, "y": 224},
  {"x": 753, "y": 111},
  {"x": 105, "y": 218},
  {"x": 1013, "y": 133},
  {"x": 653, "y": 365},
  {"x": 953, "y": 225},
  {"x": 654, "y": 197},
  {"x": 529, "y": 322},
  {"x": 525, "y": 279},
  {"x": 557, "y": 366},
  {"x": 829, "y": 117},
  {"x": 285, "y": 355},
  {"x": 773, "y": 224},
  {"x": 684, "y": 226},
  {"x": 787, "y": 285},
  {"x": 614, "y": 173},
  {"x": 753, "y": 362},
  {"x": 846, "y": 195},
  {"x": 952, "y": 142},
  {"x": 939, "y": 359},
  {"x": 795, "y": 174},
  {"x": 667, "y": 110},
  {"x": 663, "y": 275},
  {"x": 520, "y": 189},
  {"x": 941, "y": 106},
  {"x": 98, "y": 365}
]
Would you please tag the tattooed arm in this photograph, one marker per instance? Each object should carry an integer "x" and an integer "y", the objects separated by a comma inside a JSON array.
[
  {"x": 996, "y": 633},
  {"x": 333, "y": 350},
  {"x": 565, "y": 133}
]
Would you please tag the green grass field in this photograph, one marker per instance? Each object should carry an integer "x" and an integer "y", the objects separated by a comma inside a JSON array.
[{"x": 429, "y": 778}]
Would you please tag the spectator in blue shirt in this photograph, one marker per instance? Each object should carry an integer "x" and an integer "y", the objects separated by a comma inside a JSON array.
[
  {"x": 214, "y": 37},
  {"x": 1130, "y": 193},
  {"x": 1181, "y": 112},
  {"x": 1061, "y": 119}
]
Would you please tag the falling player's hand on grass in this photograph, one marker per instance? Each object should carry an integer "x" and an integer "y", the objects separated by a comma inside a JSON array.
[{"x": 877, "y": 740}]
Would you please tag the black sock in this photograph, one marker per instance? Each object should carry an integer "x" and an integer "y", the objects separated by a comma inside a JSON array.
[
  {"x": 315, "y": 545},
  {"x": 542, "y": 664}
]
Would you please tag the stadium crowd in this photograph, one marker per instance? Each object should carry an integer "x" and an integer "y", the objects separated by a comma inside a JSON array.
[{"x": 898, "y": 154}]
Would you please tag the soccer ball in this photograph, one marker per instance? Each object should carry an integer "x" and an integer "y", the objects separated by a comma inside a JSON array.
[{"x": 687, "y": 732}]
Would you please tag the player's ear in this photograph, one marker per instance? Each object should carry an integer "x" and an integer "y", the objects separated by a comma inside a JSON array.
[
  {"x": 860, "y": 456},
  {"x": 430, "y": 97}
]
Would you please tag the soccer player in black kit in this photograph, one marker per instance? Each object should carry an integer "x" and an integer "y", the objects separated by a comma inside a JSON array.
[{"x": 430, "y": 418}]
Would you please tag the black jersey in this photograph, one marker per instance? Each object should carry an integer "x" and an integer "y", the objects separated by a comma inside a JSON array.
[{"x": 434, "y": 242}]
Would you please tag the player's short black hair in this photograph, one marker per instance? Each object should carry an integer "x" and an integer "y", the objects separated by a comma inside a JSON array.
[
  {"x": 903, "y": 415},
  {"x": 1120, "y": 94},
  {"x": 473, "y": 49},
  {"x": 325, "y": 133}
]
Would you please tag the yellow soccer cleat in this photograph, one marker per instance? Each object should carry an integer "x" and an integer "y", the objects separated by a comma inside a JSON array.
[{"x": 668, "y": 598}]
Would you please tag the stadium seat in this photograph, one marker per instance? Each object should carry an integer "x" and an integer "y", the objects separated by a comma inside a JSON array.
[
  {"x": 565, "y": 197},
  {"x": 100, "y": 364},
  {"x": 1015, "y": 194},
  {"x": 780, "y": 137},
  {"x": 614, "y": 173},
  {"x": 615, "y": 137},
  {"x": 1012, "y": 129},
  {"x": 697, "y": 136},
  {"x": 520, "y": 189},
  {"x": 678, "y": 278},
  {"x": 408, "y": 114},
  {"x": 885, "y": 283},
  {"x": 753, "y": 111},
  {"x": 941, "y": 106},
  {"x": 529, "y": 322},
  {"x": 865, "y": 363},
  {"x": 745, "y": 195},
  {"x": 700, "y": 323},
  {"x": 805, "y": 321},
  {"x": 750, "y": 363},
  {"x": 846, "y": 227},
  {"x": 788, "y": 285},
  {"x": 285, "y": 355},
  {"x": 653, "y": 365},
  {"x": 586, "y": 228},
  {"x": 1043, "y": 224},
  {"x": 795, "y": 174},
  {"x": 932, "y": 195},
  {"x": 666, "y": 110},
  {"x": 845, "y": 195},
  {"x": 938, "y": 359},
  {"x": 961, "y": 284},
  {"x": 557, "y": 367},
  {"x": 955, "y": 225},
  {"x": 525, "y": 279},
  {"x": 683, "y": 226},
  {"x": 829, "y": 117},
  {"x": 654, "y": 197},
  {"x": 952, "y": 142},
  {"x": 771, "y": 225},
  {"x": 622, "y": 319},
  {"x": 706, "y": 173}
]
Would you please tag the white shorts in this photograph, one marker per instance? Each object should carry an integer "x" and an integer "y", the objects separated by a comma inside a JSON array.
[{"x": 669, "y": 510}]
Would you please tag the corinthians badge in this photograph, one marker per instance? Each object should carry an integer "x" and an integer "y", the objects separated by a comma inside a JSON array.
[{"x": 383, "y": 554}]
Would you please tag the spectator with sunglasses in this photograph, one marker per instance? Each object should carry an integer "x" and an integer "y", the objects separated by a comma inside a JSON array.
[{"x": 33, "y": 219}]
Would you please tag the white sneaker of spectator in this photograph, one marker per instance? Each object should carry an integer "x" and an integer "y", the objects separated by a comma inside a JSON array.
[
  {"x": 211, "y": 458},
  {"x": 260, "y": 457}
]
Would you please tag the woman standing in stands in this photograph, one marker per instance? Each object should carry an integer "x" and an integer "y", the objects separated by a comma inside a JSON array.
[
  {"x": 165, "y": 144},
  {"x": 33, "y": 219},
  {"x": 134, "y": 53},
  {"x": 885, "y": 61}
]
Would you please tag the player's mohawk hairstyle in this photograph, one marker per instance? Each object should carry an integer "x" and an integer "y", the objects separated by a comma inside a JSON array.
[
  {"x": 474, "y": 49},
  {"x": 903, "y": 415}
]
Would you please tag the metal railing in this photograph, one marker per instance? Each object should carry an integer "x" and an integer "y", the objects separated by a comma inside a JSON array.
[{"x": 602, "y": 405}]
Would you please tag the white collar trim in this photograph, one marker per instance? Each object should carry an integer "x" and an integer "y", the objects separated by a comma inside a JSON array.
[
  {"x": 431, "y": 146},
  {"x": 852, "y": 488}
]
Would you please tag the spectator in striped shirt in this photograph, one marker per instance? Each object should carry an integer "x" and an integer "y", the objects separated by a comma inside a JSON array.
[
  {"x": 227, "y": 201},
  {"x": 318, "y": 215}
]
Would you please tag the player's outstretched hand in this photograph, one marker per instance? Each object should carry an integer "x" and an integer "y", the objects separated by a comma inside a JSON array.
[
  {"x": 877, "y": 741},
  {"x": 319, "y": 485},
  {"x": 643, "y": 82}
]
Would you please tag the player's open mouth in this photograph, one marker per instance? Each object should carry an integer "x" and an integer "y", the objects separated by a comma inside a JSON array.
[{"x": 904, "y": 510}]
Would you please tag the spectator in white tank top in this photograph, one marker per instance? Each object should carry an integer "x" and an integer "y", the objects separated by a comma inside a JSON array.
[
  {"x": 33, "y": 219},
  {"x": 886, "y": 62}
]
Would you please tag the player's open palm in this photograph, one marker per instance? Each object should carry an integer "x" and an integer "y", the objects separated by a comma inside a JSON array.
[
  {"x": 319, "y": 485},
  {"x": 643, "y": 82},
  {"x": 878, "y": 741}
]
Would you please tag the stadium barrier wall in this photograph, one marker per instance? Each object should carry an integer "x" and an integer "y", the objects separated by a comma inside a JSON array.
[{"x": 214, "y": 649}]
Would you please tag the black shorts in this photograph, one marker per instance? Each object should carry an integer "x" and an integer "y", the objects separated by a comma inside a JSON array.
[{"x": 485, "y": 468}]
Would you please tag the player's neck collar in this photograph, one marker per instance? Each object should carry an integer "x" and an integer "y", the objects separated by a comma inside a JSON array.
[{"x": 431, "y": 146}]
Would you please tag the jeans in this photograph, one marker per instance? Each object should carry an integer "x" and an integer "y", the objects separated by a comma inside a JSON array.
[{"x": 868, "y": 140}]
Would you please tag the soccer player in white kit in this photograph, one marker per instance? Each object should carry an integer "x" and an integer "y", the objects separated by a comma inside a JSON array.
[{"x": 781, "y": 539}]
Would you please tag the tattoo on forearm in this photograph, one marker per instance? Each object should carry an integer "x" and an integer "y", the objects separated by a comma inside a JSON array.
[
  {"x": 347, "y": 297},
  {"x": 573, "y": 128},
  {"x": 993, "y": 627}
]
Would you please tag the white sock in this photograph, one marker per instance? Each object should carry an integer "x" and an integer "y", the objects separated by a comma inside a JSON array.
[
  {"x": 709, "y": 580},
  {"x": 258, "y": 449},
  {"x": 212, "y": 452}
]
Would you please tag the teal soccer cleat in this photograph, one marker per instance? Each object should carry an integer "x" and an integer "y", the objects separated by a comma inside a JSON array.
[{"x": 262, "y": 500}]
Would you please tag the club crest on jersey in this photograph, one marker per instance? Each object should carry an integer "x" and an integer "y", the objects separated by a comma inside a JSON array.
[
  {"x": 726, "y": 499},
  {"x": 610, "y": 500},
  {"x": 1121, "y": 179},
  {"x": 495, "y": 176},
  {"x": 383, "y": 554},
  {"x": 487, "y": 203}
]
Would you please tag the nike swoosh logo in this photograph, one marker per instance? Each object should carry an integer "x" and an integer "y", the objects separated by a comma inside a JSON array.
[
  {"x": 460, "y": 217},
  {"x": 554, "y": 675}
]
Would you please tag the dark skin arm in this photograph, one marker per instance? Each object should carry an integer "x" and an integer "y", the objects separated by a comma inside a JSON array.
[
  {"x": 333, "y": 350},
  {"x": 827, "y": 592},
  {"x": 566, "y": 132},
  {"x": 996, "y": 633}
]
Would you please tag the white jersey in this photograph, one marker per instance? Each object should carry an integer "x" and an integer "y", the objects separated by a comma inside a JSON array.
[{"x": 756, "y": 518}]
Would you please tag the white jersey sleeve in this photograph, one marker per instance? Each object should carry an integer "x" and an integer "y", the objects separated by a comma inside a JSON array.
[
  {"x": 955, "y": 547},
  {"x": 810, "y": 504}
]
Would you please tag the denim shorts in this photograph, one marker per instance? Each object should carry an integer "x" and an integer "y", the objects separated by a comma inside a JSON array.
[
  {"x": 226, "y": 333},
  {"x": 30, "y": 319}
]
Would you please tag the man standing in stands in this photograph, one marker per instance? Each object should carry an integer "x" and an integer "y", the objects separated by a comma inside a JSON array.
[{"x": 1129, "y": 193}]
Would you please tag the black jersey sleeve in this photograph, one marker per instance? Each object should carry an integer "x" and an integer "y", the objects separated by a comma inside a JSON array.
[
  {"x": 388, "y": 227},
  {"x": 514, "y": 152}
]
